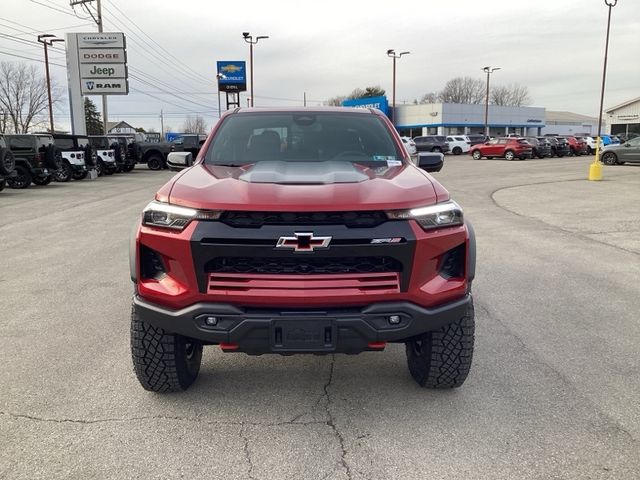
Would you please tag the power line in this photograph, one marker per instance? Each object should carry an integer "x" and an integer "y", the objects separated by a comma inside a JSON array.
[
  {"x": 59, "y": 10},
  {"x": 128, "y": 18}
]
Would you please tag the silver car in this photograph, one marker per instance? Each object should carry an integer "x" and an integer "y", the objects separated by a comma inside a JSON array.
[{"x": 620, "y": 153}]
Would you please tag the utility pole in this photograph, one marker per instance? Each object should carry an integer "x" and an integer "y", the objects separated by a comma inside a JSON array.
[
  {"x": 46, "y": 40},
  {"x": 162, "y": 123},
  {"x": 392, "y": 53},
  {"x": 488, "y": 71},
  {"x": 304, "y": 99}
]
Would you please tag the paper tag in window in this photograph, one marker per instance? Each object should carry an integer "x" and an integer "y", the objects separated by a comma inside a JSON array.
[{"x": 393, "y": 163}]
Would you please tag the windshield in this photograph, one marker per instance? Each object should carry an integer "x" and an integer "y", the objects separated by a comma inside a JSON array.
[
  {"x": 100, "y": 142},
  {"x": 302, "y": 137}
]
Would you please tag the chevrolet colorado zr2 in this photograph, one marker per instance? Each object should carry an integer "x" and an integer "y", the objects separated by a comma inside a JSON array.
[{"x": 302, "y": 231}]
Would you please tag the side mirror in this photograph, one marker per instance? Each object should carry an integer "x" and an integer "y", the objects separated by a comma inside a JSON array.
[
  {"x": 179, "y": 161},
  {"x": 430, "y": 161},
  {"x": 627, "y": 144}
]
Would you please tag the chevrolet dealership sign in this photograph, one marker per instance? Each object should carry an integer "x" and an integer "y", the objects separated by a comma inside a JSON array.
[{"x": 99, "y": 61}]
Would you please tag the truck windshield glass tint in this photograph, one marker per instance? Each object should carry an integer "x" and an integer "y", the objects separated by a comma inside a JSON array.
[{"x": 249, "y": 138}]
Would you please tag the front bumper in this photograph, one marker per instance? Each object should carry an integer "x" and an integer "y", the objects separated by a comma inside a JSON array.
[{"x": 335, "y": 330}]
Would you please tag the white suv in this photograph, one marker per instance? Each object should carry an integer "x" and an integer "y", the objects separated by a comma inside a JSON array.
[
  {"x": 591, "y": 144},
  {"x": 410, "y": 145},
  {"x": 458, "y": 144}
]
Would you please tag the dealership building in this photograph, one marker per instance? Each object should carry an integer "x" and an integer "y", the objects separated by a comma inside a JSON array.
[
  {"x": 624, "y": 118},
  {"x": 458, "y": 119}
]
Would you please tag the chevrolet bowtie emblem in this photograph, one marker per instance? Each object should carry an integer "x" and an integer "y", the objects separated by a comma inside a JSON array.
[{"x": 303, "y": 242}]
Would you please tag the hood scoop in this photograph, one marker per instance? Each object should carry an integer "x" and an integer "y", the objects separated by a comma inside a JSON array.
[{"x": 303, "y": 173}]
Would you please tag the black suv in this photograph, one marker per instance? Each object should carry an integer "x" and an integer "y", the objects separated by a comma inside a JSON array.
[
  {"x": 541, "y": 146},
  {"x": 37, "y": 158},
  {"x": 432, "y": 143},
  {"x": 76, "y": 153},
  {"x": 7, "y": 162},
  {"x": 559, "y": 146}
]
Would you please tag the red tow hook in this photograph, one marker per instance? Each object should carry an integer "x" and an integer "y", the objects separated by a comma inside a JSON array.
[
  {"x": 377, "y": 345},
  {"x": 229, "y": 347}
]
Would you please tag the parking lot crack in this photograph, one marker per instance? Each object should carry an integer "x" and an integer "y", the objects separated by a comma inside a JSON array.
[
  {"x": 247, "y": 451},
  {"x": 331, "y": 421},
  {"x": 611, "y": 422}
]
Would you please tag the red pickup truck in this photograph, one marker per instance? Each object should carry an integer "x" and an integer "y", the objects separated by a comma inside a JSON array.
[{"x": 303, "y": 231}]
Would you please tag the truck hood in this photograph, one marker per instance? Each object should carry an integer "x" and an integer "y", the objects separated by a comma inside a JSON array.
[{"x": 289, "y": 188}]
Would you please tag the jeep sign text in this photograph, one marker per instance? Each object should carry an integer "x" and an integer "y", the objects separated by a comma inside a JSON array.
[{"x": 103, "y": 70}]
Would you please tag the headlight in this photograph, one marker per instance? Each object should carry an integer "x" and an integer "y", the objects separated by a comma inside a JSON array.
[
  {"x": 447, "y": 214},
  {"x": 165, "y": 215}
]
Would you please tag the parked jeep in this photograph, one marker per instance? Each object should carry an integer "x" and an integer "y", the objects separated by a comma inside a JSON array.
[
  {"x": 106, "y": 159},
  {"x": 36, "y": 158},
  {"x": 7, "y": 162},
  {"x": 75, "y": 149}
]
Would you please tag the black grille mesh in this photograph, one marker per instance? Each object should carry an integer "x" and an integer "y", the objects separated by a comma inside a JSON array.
[
  {"x": 302, "y": 266},
  {"x": 258, "y": 219}
]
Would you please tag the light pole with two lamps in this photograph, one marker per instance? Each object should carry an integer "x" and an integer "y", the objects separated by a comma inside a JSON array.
[
  {"x": 392, "y": 53},
  {"x": 48, "y": 40},
  {"x": 488, "y": 71},
  {"x": 595, "y": 169},
  {"x": 250, "y": 40}
]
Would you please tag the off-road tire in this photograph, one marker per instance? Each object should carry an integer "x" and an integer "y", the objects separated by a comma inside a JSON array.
[
  {"x": 162, "y": 361},
  {"x": 442, "y": 359},
  {"x": 64, "y": 173},
  {"x": 100, "y": 167},
  {"x": 22, "y": 179},
  {"x": 456, "y": 150},
  {"x": 52, "y": 157},
  {"x": 128, "y": 168},
  {"x": 3, "y": 183},
  {"x": 42, "y": 181},
  {"x": 154, "y": 162},
  {"x": 476, "y": 155},
  {"x": 610, "y": 158},
  {"x": 7, "y": 162},
  {"x": 80, "y": 175}
]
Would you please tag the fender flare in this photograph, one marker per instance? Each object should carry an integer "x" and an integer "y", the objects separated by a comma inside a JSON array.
[
  {"x": 133, "y": 251},
  {"x": 471, "y": 256}
]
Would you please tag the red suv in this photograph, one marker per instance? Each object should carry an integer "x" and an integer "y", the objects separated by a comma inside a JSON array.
[
  {"x": 578, "y": 145},
  {"x": 509, "y": 148},
  {"x": 302, "y": 231}
]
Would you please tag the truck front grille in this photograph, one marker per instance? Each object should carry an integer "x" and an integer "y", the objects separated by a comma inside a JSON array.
[
  {"x": 302, "y": 265},
  {"x": 364, "y": 219}
]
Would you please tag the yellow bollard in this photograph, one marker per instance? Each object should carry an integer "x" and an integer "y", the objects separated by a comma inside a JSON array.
[{"x": 595, "y": 169}]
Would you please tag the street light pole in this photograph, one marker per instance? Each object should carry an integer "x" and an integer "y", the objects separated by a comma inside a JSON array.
[
  {"x": 392, "y": 53},
  {"x": 46, "y": 40},
  {"x": 219, "y": 76},
  {"x": 488, "y": 71},
  {"x": 595, "y": 169},
  {"x": 250, "y": 40}
]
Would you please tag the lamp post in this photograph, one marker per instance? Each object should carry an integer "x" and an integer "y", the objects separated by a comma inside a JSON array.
[
  {"x": 392, "y": 53},
  {"x": 488, "y": 71},
  {"x": 595, "y": 169},
  {"x": 219, "y": 76},
  {"x": 47, "y": 40},
  {"x": 250, "y": 40}
]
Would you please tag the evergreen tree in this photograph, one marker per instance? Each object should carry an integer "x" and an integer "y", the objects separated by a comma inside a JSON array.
[{"x": 92, "y": 118}]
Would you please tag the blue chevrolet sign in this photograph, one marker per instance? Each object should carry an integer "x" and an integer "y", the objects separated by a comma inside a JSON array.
[
  {"x": 232, "y": 76},
  {"x": 381, "y": 103}
]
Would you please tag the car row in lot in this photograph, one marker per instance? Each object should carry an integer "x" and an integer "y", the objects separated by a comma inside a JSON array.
[{"x": 42, "y": 158}]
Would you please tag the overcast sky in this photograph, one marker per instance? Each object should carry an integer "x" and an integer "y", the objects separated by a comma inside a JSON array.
[{"x": 328, "y": 48}]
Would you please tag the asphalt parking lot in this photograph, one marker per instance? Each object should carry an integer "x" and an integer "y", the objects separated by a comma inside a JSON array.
[{"x": 553, "y": 393}]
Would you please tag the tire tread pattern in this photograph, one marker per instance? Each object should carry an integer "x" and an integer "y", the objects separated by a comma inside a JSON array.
[{"x": 446, "y": 356}]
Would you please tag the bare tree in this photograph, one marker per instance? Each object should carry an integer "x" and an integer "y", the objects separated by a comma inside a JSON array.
[
  {"x": 336, "y": 101},
  {"x": 4, "y": 121},
  {"x": 194, "y": 125},
  {"x": 463, "y": 90},
  {"x": 23, "y": 95},
  {"x": 431, "y": 97},
  {"x": 513, "y": 95}
]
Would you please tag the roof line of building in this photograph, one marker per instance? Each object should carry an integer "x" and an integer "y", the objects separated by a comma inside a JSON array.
[{"x": 628, "y": 102}]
